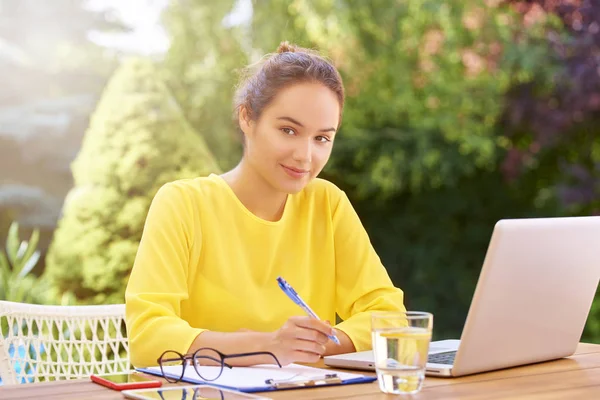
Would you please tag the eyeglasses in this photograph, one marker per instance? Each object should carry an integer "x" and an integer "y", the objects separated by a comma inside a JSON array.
[{"x": 207, "y": 362}]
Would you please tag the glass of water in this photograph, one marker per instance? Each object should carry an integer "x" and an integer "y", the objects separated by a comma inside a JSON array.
[{"x": 400, "y": 346}]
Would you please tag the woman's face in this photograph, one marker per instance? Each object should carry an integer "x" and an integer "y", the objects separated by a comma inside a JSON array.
[{"x": 292, "y": 140}]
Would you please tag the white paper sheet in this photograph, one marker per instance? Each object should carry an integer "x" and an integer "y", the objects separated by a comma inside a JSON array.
[{"x": 255, "y": 376}]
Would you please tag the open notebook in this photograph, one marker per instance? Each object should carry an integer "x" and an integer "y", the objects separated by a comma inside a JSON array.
[{"x": 261, "y": 378}]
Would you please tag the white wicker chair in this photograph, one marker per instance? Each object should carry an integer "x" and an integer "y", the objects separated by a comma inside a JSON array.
[{"x": 41, "y": 343}]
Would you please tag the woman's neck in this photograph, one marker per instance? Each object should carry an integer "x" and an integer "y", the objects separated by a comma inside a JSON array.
[{"x": 255, "y": 193}]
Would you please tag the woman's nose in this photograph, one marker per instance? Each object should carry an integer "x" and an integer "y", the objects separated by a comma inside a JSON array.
[{"x": 303, "y": 151}]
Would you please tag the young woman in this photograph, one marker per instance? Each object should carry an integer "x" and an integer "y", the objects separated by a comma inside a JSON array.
[{"x": 212, "y": 247}]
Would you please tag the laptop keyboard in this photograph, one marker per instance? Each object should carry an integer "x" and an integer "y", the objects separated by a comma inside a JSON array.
[{"x": 442, "y": 358}]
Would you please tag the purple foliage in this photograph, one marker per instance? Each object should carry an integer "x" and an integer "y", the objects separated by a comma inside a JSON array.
[{"x": 573, "y": 105}]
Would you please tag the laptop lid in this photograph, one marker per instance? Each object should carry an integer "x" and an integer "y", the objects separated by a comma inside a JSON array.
[
  {"x": 533, "y": 295},
  {"x": 532, "y": 299}
]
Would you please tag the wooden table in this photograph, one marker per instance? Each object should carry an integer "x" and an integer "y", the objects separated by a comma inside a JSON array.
[{"x": 575, "y": 377}]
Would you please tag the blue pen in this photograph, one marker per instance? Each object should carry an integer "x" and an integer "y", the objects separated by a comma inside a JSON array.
[{"x": 291, "y": 293}]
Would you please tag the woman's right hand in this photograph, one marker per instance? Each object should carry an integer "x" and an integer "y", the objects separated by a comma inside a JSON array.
[{"x": 300, "y": 339}]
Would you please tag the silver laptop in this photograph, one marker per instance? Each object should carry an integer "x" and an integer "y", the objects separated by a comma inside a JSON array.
[{"x": 531, "y": 303}]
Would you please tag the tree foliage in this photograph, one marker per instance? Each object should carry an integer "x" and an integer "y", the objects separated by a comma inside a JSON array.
[
  {"x": 137, "y": 141},
  {"x": 201, "y": 66},
  {"x": 426, "y": 83},
  {"x": 556, "y": 133}
]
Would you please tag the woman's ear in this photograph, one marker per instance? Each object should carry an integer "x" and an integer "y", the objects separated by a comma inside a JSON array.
[{"x": 245, "y": 121}]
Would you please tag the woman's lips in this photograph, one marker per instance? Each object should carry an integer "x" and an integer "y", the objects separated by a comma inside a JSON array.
[{"x": 295, "y": 172}]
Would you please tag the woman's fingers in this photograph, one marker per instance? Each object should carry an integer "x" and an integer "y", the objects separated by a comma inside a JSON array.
[
  {"x": 311, "y": 335},
  {"x": 314, "y": 324},
  {"x": 308, "y": 346},
  {"x": 302, "y": 339}
]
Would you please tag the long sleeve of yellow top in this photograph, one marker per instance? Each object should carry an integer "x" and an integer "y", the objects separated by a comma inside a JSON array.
[{"x": 205, "y": 262}]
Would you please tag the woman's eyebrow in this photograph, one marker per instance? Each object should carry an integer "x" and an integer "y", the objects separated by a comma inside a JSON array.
[{"x": 293, "y": 121}]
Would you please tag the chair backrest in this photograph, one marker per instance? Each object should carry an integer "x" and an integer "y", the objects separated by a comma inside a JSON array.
[{"x": 41, "y": 343}]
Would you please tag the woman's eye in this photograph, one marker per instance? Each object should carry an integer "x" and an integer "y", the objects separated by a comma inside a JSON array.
[
  {"x": 323, "y": 139},
  {"x": 288, "y": 131}
]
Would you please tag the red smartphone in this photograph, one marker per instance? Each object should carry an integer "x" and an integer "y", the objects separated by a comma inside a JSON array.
[{"x": 126, "y": 380}]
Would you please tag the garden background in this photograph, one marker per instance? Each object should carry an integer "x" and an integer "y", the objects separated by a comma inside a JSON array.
[{"x": 459, "y": 113}]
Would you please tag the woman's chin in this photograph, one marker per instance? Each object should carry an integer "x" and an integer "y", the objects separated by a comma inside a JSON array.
[{"x": 293, "y": 186}]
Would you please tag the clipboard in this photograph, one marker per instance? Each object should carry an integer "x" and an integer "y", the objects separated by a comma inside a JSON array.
[{"x": 264, "y": 378}]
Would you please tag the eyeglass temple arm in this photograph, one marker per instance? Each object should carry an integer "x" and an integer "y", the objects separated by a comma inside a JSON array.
[{"x": 257, "y": 353}]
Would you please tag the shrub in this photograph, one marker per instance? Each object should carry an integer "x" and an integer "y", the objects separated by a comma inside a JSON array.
[{"x": 137, "y": 141}]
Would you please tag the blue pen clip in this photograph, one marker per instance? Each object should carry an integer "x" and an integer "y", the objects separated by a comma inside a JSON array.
[{"x": 291, "y": 293}]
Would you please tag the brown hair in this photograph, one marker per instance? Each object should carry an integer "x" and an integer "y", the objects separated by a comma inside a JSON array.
[{"x": 288, "y": 66}]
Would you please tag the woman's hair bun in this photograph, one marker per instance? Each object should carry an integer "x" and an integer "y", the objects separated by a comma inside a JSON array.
[{"x": 286, "y": 47}]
